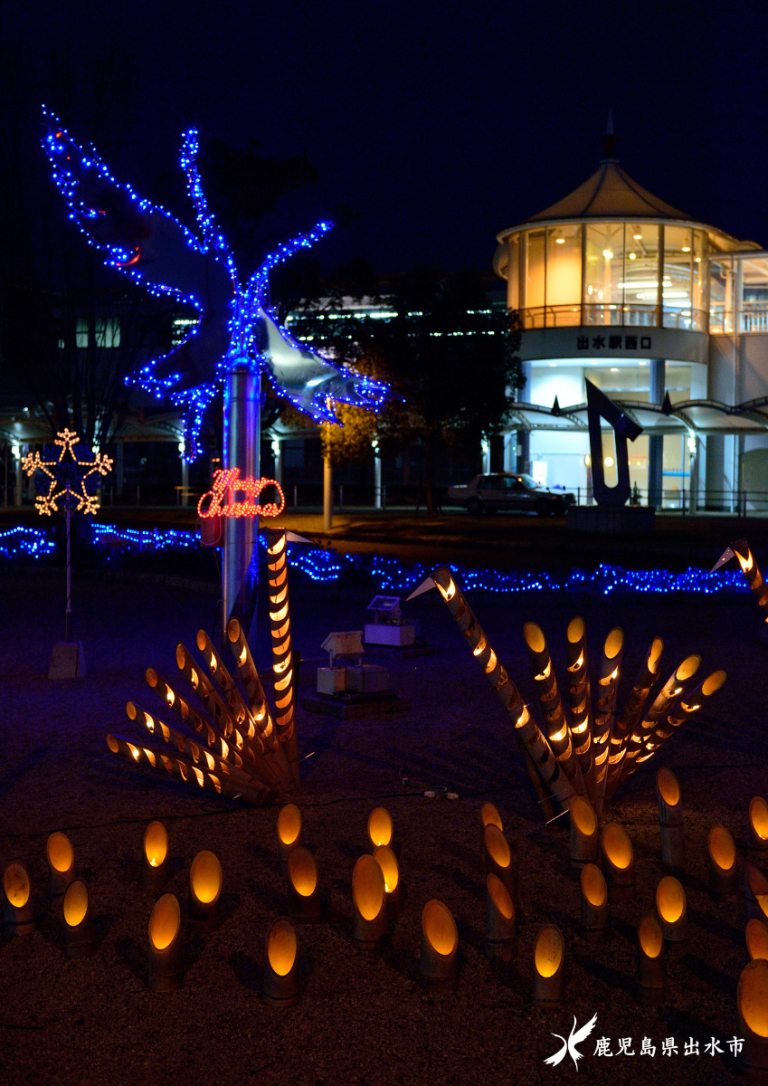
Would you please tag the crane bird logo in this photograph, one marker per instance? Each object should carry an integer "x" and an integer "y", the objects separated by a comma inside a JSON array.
[{"x": 569, "y": 1046}]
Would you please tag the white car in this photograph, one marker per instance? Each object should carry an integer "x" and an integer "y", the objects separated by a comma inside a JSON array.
[{"x": 507, "y": 490}]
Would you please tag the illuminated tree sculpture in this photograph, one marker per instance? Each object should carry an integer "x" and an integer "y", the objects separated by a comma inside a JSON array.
[{"x": 69, "y": 478}]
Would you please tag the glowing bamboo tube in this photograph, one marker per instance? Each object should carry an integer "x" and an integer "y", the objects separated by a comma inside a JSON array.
[
  {"x": 755, "y": 892},
  {"x": 303, "y": 886},
  {"x": 205, "y": 690},
  {"x": 672, "y": 689},
  {"x": 61, "y": 862},
  {"x": 604, "y": 707},
  {"x": 618, "y": 861},
  {"x": 594, "y": 902},
  {"x": 548, "y": 959},
  {"x": 499, "y": 920},
  {"x": 684, "y": 710},
  {"x": 584, "y": 838},
  {"x": 537, "y": 752},
  {"x": 281, "y": 977},
  {"x": 723, "y": 875},
  {"x": 369, "y": 904},
  {"x": 79, "y": 939},
  {"x": 489, "y": 816},
  {"x": 439, "y": 944},
  {"x": 17, "y": 889},
  {"x": 390, "y": 869},
  {"x": 631, "y": 714},
  {"x": 282, "y": 651},
  {"x": 558, "y": 732},
  {"x": 380, "y": 827},
  {"x": 758, "y": 825},
  {"x": 752, "y": 1009},
  {"x": 225, "y": 682},
  {"x": 756, "y": 936},
  {"x": 205, "y": 882},
  {"x": 165, "y": 945},
  {"x": 580, "y": 695},
  {"x": 670, "y": 819},
  {"x": 650, "y": 961},
  {"x": 154, "y": 854},
  {"x": 751, "y": 571},
  {"x": 498, "y": 856},
  {"x": 671, "y": 906},
  {"x": 183, "y": 768},
  {"x": 288, "y": 832}
]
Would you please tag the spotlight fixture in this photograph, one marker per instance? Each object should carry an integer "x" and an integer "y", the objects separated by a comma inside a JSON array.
[
  {"x": 164, "y": 945},
  {"x": 439, "y": 943}
]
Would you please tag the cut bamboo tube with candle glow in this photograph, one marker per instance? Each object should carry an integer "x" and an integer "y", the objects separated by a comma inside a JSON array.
[
  {"x": 283, "y": 669},
  {"x": 500, "y": 920},
  {"x": 153, "y": 856},
  {"x": 683, "y": 711},
  {"x": 755, "y": 892},
  {"x": 650, "y": 962},
  {"x": 61, "y": 862},
  {"x": 281, "y": 978},
  {"x": 632, "y": 713},
  {"x": 548, "y": 959},
  {"x": 723, "y": 874},
  {"x": 584, "y": 837},
  {"x": 498, "y": 856},
  {"x": 758, "y": 825},
  {"x": 618, "y": 861},
  {"x": 380, "y": 827},
  {"x": 752, "y": 1010},
  {"x": 165, "y": 945},
  {"x": 303, "y": 886},
  {"x": 543, "y": 768},
  {"x": 79, "y": 939},
  {"x": 751, "y": 571},
  {"x": 670, "y": 819},
  {"x": 369, "y": 904},
  {"x": 756, "y": 936},
  {"x": 288, "y": 831},
  {"x": 439, "y": 945},
  {"x": 594, "y": 902},
  {"x": 17, "y": 889},
  {"x": 580, "y": 696},
  {"x": 604, "y": 710},
  {"x": 558, "y": 732},
  {"x": 672, "y": 909},
  {"x": 205, "y": 882},
  {"x": 387, "y": 861}
]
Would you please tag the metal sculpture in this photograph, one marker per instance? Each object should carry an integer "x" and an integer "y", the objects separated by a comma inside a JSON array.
[{"x": 624, "y": 428}]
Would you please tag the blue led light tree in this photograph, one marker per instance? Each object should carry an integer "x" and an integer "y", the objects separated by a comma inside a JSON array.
[{"x": 237, "y": 339}]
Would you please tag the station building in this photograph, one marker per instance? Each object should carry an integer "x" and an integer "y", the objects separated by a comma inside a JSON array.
[{"x": 668, "y": 316}]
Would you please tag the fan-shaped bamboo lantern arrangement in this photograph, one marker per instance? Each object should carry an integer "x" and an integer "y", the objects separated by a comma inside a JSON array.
[
  {"x": 756, "y": 937},
  {"x": 17, "y": 891},
  {"x": 79, "y": 938},
  {"x": 153, "y": 857},
  {"x": 650, "y": 961},
  {"x": 61, "y": 862},
  {"x": 752, "y": 1010},
  {"x": 670, "y": 819},
  {"x": 594, "y": 902},
  {"x": 548, "y": 961},
  {"x": 723, "y": 871},
  {"x": 594, "y": 751},
  {"x": 439, "y": 946},
  {"x": 238, "y": 749},
  {"x": 758, "y": 825}
]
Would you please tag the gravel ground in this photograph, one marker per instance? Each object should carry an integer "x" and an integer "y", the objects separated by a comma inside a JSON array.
[{"x": 362, "y": 1018}]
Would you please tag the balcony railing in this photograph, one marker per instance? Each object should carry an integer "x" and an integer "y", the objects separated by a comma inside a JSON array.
[
  {"x": 610, "y": 315},
  {"x": 753, "y": 318}
]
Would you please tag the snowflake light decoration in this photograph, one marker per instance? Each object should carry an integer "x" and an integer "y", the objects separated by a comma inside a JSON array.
[{"x": 72, "y": 474}]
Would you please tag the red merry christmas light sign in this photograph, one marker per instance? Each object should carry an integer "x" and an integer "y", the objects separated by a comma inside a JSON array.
[{"x": 228, "y": 479}]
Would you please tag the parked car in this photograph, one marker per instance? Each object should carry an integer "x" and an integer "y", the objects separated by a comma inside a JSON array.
[{"x": 506, "y": 490}]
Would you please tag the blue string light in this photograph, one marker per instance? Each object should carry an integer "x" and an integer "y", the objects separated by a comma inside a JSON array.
[{"x": 25, "y": 543}]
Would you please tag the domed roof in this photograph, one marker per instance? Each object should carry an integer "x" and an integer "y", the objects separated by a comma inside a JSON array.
[{"x": 610, "y": 193}]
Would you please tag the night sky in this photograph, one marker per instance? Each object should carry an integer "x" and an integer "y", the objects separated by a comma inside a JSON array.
[{"x": 438, "y": 123}]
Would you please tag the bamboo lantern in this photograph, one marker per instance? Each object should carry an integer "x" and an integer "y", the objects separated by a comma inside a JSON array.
[
  {"x": 153, "y": 856},
  {"x": 584, "y": 837},
  {"x": 369, "y": 904},
  {"x": 205, "y": 881},
  {"x": 19, "y": 914},
  {"x": 281, "y": 978},
  {"x": 650, "y": 961},
  {"x": 751, "y": 571},
  {"x": 632, "y": 713},
  {"x": 387, "y": 861},
  {"x": 684, "y": 710},
  {"x": 558, "y": 732},
  {"x": 61, "y": 862},
  {"x": 498, "y": 856},
  {"x": 756, "y": 936},
  {"x": 165, "y": 945},
  {"x": 500, "y": 920},
  {"x": 755, "y": 892},
  {"x": 752, "y": 1009},
  {"x": 544, "y": 770},
  {"x": 580, "y": 695},
  {"x": 594, "y": 902},
  {"x": 670, "y": 819},
  {"x": 288, "y": 832},
  {"x": 604, "y": 708},
  {"x": 618, "y": 861},
  {"x": 723, "y": 876},
  {"x": 283, "y": 670},
  {"x": 303, "y": 886},
  {"x": 439, "y": 946},
  {"x": 219, "y": 673},
  {"x": 758, "y": 825},
  {"x": 489, "y": 816},
  {"x": 671, "y": 906},
  {"x": 380, "y": 827},
  {"x": 548, "y": 959},
  {"x": 79, "y": 939}
]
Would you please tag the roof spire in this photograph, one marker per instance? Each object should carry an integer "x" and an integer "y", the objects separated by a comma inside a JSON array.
[{"x": 609, "y": 139}]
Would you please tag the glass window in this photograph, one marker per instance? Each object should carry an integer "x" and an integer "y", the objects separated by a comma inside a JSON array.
[
  {"x": 700, "y": 281},
  {"x": 564, "y": 275},
  {"x": 534, "y": 270},
  {"x": 720, "y": 296},
  {"x": 513, "y": 272},
  {"x": 677, "y": 281},
  {"x": 641, "y": 274},
  {"x": 754, "y": 306},
  {"x": 604, "y": 273}
]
